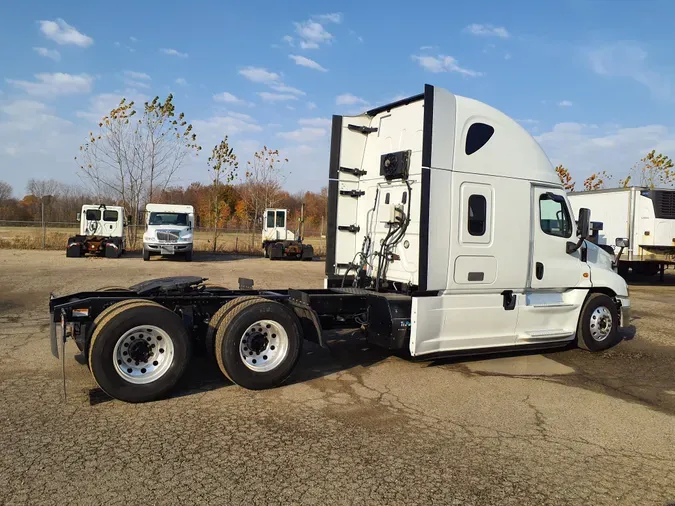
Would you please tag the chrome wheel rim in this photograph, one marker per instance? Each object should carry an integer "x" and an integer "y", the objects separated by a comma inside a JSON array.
[
  {"x": 263, "y": 346},
  {"x": 143, "y": 354},
  {"x": 601, "y": 323}
]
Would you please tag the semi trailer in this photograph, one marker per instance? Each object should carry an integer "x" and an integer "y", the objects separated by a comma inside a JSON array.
[
  {"x": 645, "y": 216},
  {"x": 102, "y": 232},
  {"x": 448, "y": 232}
]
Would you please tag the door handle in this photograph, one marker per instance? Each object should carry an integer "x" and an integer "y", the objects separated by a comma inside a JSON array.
[{"x": 539, "y": 270}]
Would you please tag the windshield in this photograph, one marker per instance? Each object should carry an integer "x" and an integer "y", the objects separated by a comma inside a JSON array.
[{"x": 180, "y": 219}]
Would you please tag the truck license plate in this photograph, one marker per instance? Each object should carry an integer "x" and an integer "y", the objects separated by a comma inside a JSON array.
[{"x": 166, "y": 250}]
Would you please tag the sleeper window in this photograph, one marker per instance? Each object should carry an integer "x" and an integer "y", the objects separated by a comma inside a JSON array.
[
  {"x": 554, "y": 217},
  {"x": 477, "y": 215},
  {"x": 477, "y": 137}
]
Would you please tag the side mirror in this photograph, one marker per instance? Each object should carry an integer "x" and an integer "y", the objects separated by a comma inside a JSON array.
[
  {"x": 622, "y": 242},
  {"x": 79, "y": 215},
  {"x": 584, "y": 227}
]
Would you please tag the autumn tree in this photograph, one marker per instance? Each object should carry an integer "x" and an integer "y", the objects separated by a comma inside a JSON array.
[
  {"x": 262, "y": 184},
  {"x": 222, "y": 169},
  {"x": 5, "y": 191},
  {"x": 652, "y": 171},
  {"x": 565, "y": 178},
  {"x": 597, "y": 181},
  {"x": 127, "y": 159}
]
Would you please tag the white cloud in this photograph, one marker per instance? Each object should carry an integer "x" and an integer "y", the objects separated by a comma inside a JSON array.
[
  {"x": 287, "y": 89},
  {"x": 312, "y": 34},
  {"x": 585, "y": 149},
  {"x": 241, "y": 116},
  {"x": 276, "y": 97},
  {"x": 311, "y": 105},
  {"x": 133, "y": 39},
  {"x": 260, "y": 75},
  {"x": 100, "y": 105},
  {"x": 48, "y": 85},
  {"x": 288, "y": 40},
  {"x": 52, "y": 54},
  {"x": 181, "y": 81},
  {"x": 136, "y": 75},
  {"x": 528, "y": 121},
  {"x": 488, "y": 31},
  {"x": 174, "y": 52},
  {"x": 315, "y": 122},
  {"x": 628, "y": 60},
  {"x": 228, "y": 98},
  {"x": 565, "y": 103},
  {"x": 62, "y": 33},
  {"x": 335, "y": 17},
  {"x": 304, "y": 134},
  {"x": 136, "y": 84},
  {"x": 507, "y": 56},
  {"x": 349, "y": 99},
  {"x": 306, "y": 62},
  {"x": 444, "y": 64}
]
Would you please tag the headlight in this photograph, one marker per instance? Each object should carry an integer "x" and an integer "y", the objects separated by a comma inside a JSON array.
[{"x": 186, "y": 238}]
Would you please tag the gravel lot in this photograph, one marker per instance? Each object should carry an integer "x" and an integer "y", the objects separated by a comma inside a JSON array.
[{"x": 353, "y": 426}]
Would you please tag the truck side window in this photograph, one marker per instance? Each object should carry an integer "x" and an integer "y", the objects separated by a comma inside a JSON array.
[
  {"x": 93, "y": 214},
  {"x": 109, "y": 215},
  {"x": 477, "y": 137},
  {"x": 554, "y": 217},
  {"x": 281, "y": 219},
  {"x": 270, "y": 219},
  {"x": 477, "y": 215}
]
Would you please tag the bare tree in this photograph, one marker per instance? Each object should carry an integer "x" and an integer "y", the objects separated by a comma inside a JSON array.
[
  {"x": 5, "y": 191},
  {"x": 262, "y": 184},
  {"x": 222, "y": 169},
  {"x": 42, "y": 187}
]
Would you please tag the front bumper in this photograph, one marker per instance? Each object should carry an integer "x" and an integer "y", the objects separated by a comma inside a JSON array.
[
  {"x": 165, "y": 248},
  {"x": 624, "y": 311}
]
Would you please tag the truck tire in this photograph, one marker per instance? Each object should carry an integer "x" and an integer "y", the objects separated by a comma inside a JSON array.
[
  {"x": 146, "y": 255},
  {"x": 188, "y": 256},
  {"x": 275, "y": 251},
  {"x": 598, "y": 327},
  {"x": 258, "y": 344},
  {"x": 139, "y": 352},
  {"x": 74, "y": 251},
  {"x": 266, "y": 253},
  {"x": 215, "y": 321}
]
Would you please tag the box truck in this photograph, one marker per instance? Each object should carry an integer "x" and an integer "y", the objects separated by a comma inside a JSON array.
[
  {"x": 643, "y": 216},
  {"x": 169, "y": 230},
  {"x": 448, "y": 232}
]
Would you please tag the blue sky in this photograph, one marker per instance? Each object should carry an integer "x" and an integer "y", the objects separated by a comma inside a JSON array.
[{"x": 592, "y": 80}]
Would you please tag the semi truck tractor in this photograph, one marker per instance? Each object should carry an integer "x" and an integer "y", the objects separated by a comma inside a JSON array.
[
  {"x": 278, "y": 242},
  {"x": 102, "y": 232},
  {"x": 169, "y": 230},
  {"x": 448, "y": 232},
  {"x": 644, "y": 216}
]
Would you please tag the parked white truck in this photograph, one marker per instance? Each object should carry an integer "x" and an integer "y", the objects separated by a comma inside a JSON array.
[
  {"x": 646, "y": 217},
  {"x": 169, "y": 230},
  {"x": 102, "y": 232},
  {"x": 448, "y": 231}
]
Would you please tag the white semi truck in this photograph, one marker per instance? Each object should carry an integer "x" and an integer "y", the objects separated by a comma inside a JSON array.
[
  {"x": 102, "y": 232},
  {"x": 448, "y": 232},
  {"x": 169, "y": 230},
  {"x": 646, "y": 217},
  {"x": 278, "y": 242}
]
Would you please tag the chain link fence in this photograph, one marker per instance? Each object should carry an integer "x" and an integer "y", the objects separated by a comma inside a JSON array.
[{"x": 229, "y": 239}]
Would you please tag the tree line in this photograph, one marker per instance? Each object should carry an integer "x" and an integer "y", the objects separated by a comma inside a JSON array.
[{"x": 652, "y": 171}]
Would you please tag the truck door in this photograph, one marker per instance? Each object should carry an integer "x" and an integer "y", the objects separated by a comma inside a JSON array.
[{"x": 552, "y": 228}]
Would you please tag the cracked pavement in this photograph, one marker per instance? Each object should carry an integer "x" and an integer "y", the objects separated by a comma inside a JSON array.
[{"x": 354, "y": 425}]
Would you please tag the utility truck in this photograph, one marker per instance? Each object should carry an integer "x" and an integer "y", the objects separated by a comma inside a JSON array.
[
  {"x": 448, "y": 232},
  {"x": 278, "y": 242},
  {"x": 102, "y": 232},
  {"x": 645, "y": 216},
  {"x": 169, "y": 230}
]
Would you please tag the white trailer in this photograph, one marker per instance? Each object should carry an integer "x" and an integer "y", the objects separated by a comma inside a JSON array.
[
  {"x": 643, "y": 216},
  {"x": 102, "y": 232},
  {"x": 448, "y": 231},
  {"x": 169, "y": 230}
]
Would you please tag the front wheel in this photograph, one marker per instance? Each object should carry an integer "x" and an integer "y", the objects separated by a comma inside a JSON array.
[
  {"x": 139, "y": 352},
  {"x": 598, "y": 327},
  {"x": 146, "y": 255},
  {"x": 188, "y": 256}
]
